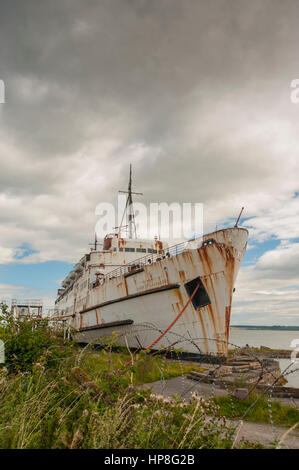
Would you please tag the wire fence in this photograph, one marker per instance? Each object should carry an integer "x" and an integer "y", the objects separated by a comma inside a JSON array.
[
  {"x": 262, "y": 380},
  {"x": 245, "y": 376}
]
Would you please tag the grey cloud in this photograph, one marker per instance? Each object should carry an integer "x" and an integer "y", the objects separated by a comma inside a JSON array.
[
  {"x": 143, "y": 59},
  {"x": 87, "y": 82}
]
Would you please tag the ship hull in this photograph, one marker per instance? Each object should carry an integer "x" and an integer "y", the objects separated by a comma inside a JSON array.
[{"x": 137, "y": 307}]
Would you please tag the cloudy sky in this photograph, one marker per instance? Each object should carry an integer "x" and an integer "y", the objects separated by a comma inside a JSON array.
[{"x": 196, "y": 94}]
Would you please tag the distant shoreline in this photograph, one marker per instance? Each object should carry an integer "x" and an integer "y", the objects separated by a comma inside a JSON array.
[{"x": 262, "y": 327}]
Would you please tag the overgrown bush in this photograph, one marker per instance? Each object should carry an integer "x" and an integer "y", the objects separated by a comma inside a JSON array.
[{"x": 29, "y": 340}]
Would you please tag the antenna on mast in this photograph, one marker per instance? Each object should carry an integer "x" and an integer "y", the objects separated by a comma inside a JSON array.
[
  {"x": 238, "y": 219},
  {"x": 129, "y": 204},
  {"x": 96, "y": 243}
]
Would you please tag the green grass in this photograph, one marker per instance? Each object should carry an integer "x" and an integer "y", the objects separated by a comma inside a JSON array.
[
  {"x": 146, "y": 368},
  {"x": 284, "y": 416},
  {"x": 55, "y": 395},
  {"x": 52, "y": 409}
]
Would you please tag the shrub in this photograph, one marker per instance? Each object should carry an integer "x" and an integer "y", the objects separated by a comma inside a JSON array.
[{"x": 29, "y": 340}]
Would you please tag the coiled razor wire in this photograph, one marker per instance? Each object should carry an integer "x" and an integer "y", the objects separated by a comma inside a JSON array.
[
  {"x": 270, "y": 413},
  {"x": 174, "y": 341}
]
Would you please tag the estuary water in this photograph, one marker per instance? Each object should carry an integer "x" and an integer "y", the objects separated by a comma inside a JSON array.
[{"x": 276, "y": 339}]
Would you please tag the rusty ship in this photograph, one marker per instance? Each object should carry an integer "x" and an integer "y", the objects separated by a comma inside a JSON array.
[{"x": 185, "y": 290}]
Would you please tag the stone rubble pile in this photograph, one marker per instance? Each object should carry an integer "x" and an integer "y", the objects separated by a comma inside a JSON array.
[{"x": 242, "y": 369}]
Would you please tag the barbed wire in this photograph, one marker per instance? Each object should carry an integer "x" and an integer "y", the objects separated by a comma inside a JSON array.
[{"x": 262, "y": 383}]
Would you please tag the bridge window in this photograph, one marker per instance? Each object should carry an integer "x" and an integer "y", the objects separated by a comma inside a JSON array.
[
  {"x": 141, "y": 250},
  {"x": 130, "y": 249}
]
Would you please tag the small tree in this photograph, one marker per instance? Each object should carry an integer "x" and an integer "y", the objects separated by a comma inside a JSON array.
[{"x": 26, "y": 340}]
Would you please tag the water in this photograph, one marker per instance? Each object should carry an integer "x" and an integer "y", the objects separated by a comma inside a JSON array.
[
  {"x": 272, "y": 339},
  {"x": 276, "y": 339}
]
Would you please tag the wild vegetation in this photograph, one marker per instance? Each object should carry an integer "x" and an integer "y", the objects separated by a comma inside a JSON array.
[
  {"x": 54, "y": 394},
  {"x": 285, "y": 416}
]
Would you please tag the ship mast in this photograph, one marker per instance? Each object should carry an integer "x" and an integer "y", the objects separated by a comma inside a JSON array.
[{"x": 129, "y": 205}]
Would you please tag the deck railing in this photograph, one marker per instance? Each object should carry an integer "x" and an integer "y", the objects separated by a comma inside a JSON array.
[
  {"x": 27, "y": 302},
  {"x": 58, "y": 312},
  {"x": 147, "y": 260}
]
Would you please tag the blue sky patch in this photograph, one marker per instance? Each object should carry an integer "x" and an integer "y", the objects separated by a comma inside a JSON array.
[
  {"x": 253, "y": 254},
  {"x": 41, "y": 278},
  {"x": 23, "y": 251}
]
